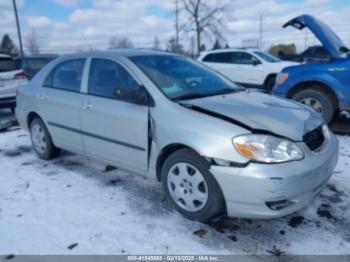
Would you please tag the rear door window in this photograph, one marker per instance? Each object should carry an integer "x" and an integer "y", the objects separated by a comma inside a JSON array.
[
  {"x": 224, "y": 58},
  {"x": 66, "y": 75}
]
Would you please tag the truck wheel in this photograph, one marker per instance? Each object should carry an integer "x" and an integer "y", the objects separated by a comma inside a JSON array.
[
  {"x": 41, "y": 140},
  {"x": 191, "y": 188},
  {"x": 318, "y": 101}
]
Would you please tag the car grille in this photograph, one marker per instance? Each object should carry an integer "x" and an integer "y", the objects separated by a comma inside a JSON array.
[{"x": 314, "y": 139}]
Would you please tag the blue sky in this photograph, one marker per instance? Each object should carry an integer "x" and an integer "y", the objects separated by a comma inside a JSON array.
[{"x": 70, "y": 25}]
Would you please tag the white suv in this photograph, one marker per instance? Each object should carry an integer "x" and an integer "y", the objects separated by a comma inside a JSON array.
[
  {"x": 250, "y": 68},
  {"x": 10, "y": 78}
]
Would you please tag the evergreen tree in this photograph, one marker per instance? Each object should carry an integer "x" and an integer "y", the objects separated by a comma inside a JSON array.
[
  {"x": 7, "y": 46},
  {"x": 217, "y": 45}
]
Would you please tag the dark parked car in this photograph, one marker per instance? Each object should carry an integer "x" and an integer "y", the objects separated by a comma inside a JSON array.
[
  {"x": 32, "y": 64},
  {"x": 311, "y": 54}
]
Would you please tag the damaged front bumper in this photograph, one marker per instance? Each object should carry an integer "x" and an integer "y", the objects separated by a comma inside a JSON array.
[{"x": 275, "y": 190}]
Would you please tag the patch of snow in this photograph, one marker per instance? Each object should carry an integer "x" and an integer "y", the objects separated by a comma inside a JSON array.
[{"x": 70, "y": 205}]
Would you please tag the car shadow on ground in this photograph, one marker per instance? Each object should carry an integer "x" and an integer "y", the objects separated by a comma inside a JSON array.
[{"x": 341, "y": 125}]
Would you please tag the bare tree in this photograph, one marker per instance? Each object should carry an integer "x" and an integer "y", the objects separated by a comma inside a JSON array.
[
  {"x": 32, "y": 43},
  {"x": 205, "y": 17},
  {"x": 177, "y": 24},
  {"x": 123, "y": 42}
]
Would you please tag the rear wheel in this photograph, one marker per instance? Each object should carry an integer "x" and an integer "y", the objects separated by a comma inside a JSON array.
[
  {"x": 191, "y": 188},
  {"x": 319, "y": 101},
  {"x": 41, "y": 140}
]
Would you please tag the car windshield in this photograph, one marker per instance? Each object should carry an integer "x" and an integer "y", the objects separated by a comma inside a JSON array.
[
  {"x": 267, "y": 57},
  {"x": 180, "y": 78}
]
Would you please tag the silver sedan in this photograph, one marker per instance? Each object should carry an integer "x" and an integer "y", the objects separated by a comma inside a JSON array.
[{"x": 217, "y": 148}]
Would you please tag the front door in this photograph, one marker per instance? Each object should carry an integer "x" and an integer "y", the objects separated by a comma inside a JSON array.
[
  {"x": 248, "y": 68},
  {"x": 114, "y": 130}
]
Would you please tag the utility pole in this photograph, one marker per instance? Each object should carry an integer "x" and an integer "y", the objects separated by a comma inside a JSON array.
[
  {"x": 261, "y": 29},
  {"x": 18, "y": 28},
  {"x": 177, "y": 38}
]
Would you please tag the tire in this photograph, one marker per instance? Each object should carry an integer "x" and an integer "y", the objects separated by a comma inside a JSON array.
[
  {"x": 270, "y": 83},
  {"x": 41, "y": 140},
  {"x": 195, "y": 184},
  {"x": 319, "y": 101}
]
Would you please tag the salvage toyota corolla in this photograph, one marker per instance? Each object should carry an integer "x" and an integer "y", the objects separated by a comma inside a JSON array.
[{"x": 217, "y": 148}]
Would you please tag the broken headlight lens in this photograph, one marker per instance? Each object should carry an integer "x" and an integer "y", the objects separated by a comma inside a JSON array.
[{"x": 267, "y": 149}]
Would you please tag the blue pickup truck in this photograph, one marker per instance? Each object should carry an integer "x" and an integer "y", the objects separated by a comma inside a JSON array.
[{"x": 324, "y": 86}]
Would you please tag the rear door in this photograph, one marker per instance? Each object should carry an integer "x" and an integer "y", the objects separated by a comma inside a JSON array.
[
  {"x": 221, "y": 62},
  {"x": 114, "y": 130},
  {"x": 60, "y": 102}
]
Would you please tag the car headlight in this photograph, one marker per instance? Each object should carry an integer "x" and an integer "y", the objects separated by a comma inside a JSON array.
[
  {"x": 267, "y": 148},
  {"x": 282, "y": 77}
]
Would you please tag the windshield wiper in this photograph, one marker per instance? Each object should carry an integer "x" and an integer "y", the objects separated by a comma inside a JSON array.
[
  {"x": 225, "y": 91},
  {"x": 199, "y": 95},
  {"x": 189, "y": 96}
]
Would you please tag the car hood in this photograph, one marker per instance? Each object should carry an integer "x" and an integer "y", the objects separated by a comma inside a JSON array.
[
  {"x": 323, "y": 32},
  {"x": 277, "y": 67},
  {"x": 258, "y": 112}
]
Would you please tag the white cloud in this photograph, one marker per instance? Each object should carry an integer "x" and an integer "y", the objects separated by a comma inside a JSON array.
[
  {"x": 142, "y": 21},
  {"x": 38, "y": 21},
  {"x": 67, "y": 3}
]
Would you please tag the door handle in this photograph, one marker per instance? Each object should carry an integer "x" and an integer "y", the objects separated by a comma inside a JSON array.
[
  {"x": 43, "y": 96},
  {"x": 87, "y": 105}
]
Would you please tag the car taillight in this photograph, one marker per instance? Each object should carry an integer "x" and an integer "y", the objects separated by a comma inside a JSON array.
[{"x": 21, "y": 75}]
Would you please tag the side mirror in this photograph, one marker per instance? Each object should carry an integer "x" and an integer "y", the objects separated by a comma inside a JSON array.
[
  {"x": 137, "y": 96},
  {"x": 256, "y": 62}
]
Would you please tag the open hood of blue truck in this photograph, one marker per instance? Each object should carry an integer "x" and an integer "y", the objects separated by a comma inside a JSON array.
[{"x": 323, "y": 32}]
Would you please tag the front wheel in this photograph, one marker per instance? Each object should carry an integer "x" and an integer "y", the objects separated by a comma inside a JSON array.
[
  {"x": 41, "y": 140},
  {"x": 319, "y": 101},
  {"x": 191, "y": 188}
]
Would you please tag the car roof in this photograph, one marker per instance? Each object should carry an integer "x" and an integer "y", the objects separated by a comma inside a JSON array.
[
  {"x": 121, "y": 53},
  {"x": 37, "y": 56},
  {"x": 223, "y": 50}
]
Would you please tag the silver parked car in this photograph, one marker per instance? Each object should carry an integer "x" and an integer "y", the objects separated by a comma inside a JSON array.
[{"x": 216, "y": 147}]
